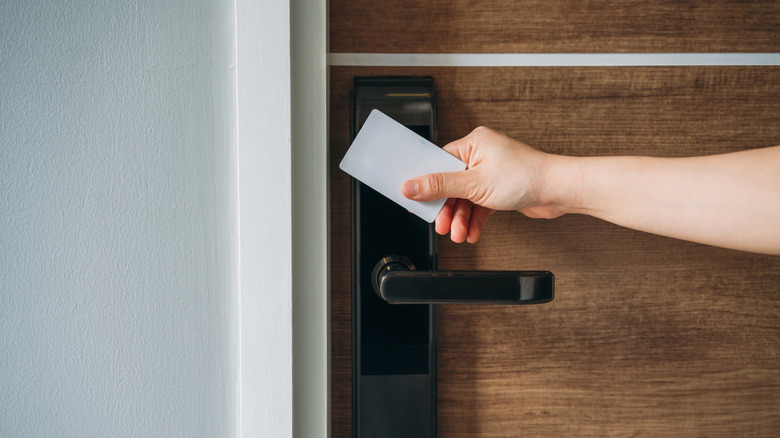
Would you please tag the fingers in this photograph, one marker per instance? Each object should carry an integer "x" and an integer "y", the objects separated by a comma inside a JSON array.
[
  {"x": 463, "y": 220},
  {"x": 479, "y": 217},
  {"x": 447, "y": 184},
  {"x": 460, "y": 148},
  {"x": 460, "y": 217},
  {"x": 461, "y": 214},
  {"x": 465, "y": 147},
  {"x": 437, "y": 186},
  {"x": 444, "y": 219}
]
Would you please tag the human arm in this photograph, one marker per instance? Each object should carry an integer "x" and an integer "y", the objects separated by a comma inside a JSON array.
[{"x": 729, "y": 200}]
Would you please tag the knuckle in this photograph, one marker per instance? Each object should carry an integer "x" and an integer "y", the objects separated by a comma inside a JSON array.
[
  {"x": 473, "y": 188},
  {"x": 436, "y": 183},
  {"x": 481, "y": 131}
]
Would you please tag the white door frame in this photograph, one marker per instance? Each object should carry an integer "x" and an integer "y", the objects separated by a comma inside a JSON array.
[
  {"x": 281, "y": 137},
  {"x": 310, "y": 218}
]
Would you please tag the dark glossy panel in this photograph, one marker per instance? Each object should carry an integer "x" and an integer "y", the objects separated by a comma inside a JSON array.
[{"x": 393, "y": 346}]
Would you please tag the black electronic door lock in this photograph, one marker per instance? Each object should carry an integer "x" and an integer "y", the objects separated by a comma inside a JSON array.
[{"x": 394, "y": 345}]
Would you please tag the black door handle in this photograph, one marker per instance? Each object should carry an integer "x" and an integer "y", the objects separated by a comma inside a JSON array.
[{"x": 396, "y": 281}]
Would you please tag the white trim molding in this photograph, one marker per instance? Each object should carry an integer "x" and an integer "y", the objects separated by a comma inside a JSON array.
[
  {"x": 263, "y": 134},
  {"x": 551, "y": 59},
  {"x": 310, "y": 218}
]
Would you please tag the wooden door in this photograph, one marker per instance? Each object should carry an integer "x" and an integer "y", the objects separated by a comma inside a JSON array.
[{"x": 647, "y": 335}]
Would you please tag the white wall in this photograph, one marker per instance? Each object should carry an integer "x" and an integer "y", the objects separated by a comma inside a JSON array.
[{"x": 118, "y": 258}]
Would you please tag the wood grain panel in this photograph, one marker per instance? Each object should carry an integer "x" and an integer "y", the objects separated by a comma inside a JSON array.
[
  {"x": 549, "y": 26},
  {"x": 647, "y": 335}
]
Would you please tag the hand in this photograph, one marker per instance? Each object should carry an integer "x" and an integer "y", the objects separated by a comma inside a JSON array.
[
  {"x": 501, "y": 174},
  {"x": 730, "y": 200}
]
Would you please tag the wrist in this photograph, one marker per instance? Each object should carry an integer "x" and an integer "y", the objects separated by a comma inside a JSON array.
[{"x": 561, "y": 182}]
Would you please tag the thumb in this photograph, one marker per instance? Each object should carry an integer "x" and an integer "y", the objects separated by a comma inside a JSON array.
[{"x": 436, "y": 186}]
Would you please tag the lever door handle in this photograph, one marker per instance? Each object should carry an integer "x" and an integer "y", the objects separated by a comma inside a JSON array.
[{"x": 396, "y": 281}]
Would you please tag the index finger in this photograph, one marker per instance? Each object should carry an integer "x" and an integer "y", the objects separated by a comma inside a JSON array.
[
  {"x": 454, "y": 147},
  {"x": 463, "y": 148}
]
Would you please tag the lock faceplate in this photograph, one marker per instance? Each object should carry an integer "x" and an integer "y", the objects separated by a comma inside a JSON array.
[{"x": 394, "y": 347}]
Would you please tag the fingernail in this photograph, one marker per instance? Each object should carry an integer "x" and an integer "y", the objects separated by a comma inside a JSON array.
[{"x": 409, "y": 188}]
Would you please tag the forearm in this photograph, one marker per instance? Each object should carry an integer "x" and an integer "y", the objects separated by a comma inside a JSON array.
[{"x": 730, "y": 200}]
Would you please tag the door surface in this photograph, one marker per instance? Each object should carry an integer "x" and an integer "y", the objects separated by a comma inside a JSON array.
[{"x": 647, "y": 335}]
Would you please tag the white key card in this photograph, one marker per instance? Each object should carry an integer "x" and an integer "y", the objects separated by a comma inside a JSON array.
[{"x": 385, "y": 153}]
